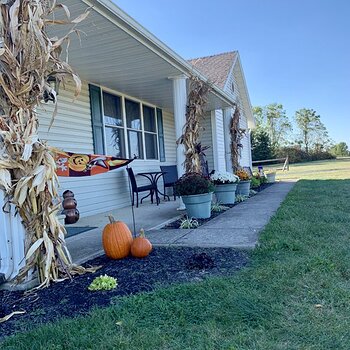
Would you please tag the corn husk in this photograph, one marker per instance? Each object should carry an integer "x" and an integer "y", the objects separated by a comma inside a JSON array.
[
  {"x": 28, "y": 56},
  {"x": 236, "y": 134},
  {"x": 7, "y": 317},
  {"x": 197, "y": 100}
]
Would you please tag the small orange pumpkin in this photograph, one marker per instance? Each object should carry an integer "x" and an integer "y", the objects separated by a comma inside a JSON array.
[
  {"x": 141, "y": 246},
  {"x": 116, "y": 239}
]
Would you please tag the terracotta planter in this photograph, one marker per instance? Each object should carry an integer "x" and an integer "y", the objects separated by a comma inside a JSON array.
[
  {"x": 226, "y": 193},
  {"x": 243, "y": 188},
  {"x": 198, "y": 205}
]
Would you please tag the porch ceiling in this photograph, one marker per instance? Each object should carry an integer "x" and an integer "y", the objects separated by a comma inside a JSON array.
[{"x": 116, "y": 52}]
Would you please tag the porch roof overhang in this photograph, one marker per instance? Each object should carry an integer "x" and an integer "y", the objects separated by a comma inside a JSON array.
[{"x": 116, "y": 52}]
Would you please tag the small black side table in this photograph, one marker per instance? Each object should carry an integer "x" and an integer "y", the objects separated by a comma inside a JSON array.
[{"x": 153, "y": 177}]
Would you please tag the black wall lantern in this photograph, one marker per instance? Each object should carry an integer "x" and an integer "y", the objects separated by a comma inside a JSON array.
[{"x": 54, "y": 85}]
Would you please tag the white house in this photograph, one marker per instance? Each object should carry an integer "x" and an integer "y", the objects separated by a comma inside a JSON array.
[
  {"x": 225, "y": 71},
  {"x": 133, "y": 102}
]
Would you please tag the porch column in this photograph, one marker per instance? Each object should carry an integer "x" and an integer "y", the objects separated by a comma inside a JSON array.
[
  {"x": 218, "y": 139},
  {"x": 249, "y": 135},
  {"x": 180, "y": 102},
  {"x": 228, "y": 112},
  {"x": 12, "y": 240},
  {"x": 214, "y": 139}
]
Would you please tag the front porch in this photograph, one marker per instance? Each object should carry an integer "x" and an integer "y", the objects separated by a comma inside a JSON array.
[
  {"x": 88, "y": 245},
  {"x": 132, "y": 103},
  {"x": 239, "y": 227}
]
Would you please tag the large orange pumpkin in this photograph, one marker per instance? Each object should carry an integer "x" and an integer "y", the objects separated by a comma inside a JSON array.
[
  {"x": 116, "y": 239},
  {"x": 141, "y": 246}
]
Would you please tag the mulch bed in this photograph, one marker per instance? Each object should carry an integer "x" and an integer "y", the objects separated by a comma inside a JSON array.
[
  {"x": 263, "y": 187},
  {"x": 165, "y": 266},
  {"x": 177, "y": 223}
]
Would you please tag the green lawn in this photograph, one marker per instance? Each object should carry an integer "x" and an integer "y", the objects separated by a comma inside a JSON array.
[
  {"x": 325, "y": 169},
  {"x": 294, "y": 295}
]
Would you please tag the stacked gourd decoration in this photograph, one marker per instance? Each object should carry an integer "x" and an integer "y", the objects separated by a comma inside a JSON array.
[
  {"x": 116, "y": 239},
  {"x": 141, "y": 246},
  {"x": 70, "y": 208}
]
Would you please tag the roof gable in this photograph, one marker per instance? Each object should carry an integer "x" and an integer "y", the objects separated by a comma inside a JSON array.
[{"x": 217, "y": 67}]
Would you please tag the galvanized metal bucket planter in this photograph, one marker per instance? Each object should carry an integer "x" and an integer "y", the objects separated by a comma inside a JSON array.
[
  {"x": 243, "y": 188},
  {"x": 226, "y": 193},
  {"x": 271, "y": 178},
  {"x": 198, "y": 205}
]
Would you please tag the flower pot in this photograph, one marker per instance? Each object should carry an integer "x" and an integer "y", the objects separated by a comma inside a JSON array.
[
  {"x": 226, "y": 193},
  {"x": 243, "y": 188},
  {"x": 198, "y": 205},
  {"x": 271, "y": 177}
]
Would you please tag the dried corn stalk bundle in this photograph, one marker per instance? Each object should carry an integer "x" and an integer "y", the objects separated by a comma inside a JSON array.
[
  {"x": 27, "y": 167},
  {"x": 197, "y": 99},
  {"x": 236, "y": 137}
]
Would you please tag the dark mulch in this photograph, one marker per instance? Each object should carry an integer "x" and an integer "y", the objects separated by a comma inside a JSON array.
[
  {"x": 263, "y": 187},
  {"x": 163, "y": 267},
  {"x": 177, "y": 223}
]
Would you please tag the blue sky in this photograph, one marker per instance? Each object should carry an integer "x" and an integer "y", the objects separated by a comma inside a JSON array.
[{"x": 294, "y": 52}]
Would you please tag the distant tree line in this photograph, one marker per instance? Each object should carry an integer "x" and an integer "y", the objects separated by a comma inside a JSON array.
[{"x": 304, "y": 138}]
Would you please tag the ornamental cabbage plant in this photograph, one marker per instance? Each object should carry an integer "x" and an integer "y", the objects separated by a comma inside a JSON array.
[{"x": 103, "y": 283}]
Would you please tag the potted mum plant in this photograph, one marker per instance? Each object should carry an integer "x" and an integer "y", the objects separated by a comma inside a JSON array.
[
  {"x": 270, "y": 176},
  {"x": 225, "y": 186},
  {"x": 196, "y": 193},
  {"x": 243, "y": 186}
]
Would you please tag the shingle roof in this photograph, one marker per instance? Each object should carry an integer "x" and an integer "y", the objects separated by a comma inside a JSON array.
[{"x": 216, "y": 67}]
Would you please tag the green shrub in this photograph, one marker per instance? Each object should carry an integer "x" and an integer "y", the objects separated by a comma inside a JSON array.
[
  {"x": 263, "y": 179},
  {"x": 255, "y": 182},
  {"x": 298, "y": 155},
  {"x": 261, "y": 145},
  {"x": 321, "y": 155}
]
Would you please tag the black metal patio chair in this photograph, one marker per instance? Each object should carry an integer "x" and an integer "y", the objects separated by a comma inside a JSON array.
[
  {"x": 170, "y": 176},
  {"x": 137, "y": 189}
]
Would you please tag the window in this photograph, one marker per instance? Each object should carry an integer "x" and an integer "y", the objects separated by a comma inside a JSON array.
[
  {"x": 149, "y": 120},
  {"x": 134, "y": 127},
  {"x": 114, "y": 128},
  {"x": 134, "y": 132}
]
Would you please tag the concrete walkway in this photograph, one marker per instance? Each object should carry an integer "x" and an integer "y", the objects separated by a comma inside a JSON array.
[{"x": 238, "y": 227}]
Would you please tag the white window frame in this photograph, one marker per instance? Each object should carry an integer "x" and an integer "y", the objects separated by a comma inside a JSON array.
[
  {"x": 110, "y": 125},
  {"x": 141, "y": 103},
  {"x": 150, "y": 132}
]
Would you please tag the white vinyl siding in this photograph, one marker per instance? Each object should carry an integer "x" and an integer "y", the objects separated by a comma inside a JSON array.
[
  {"x": 218, "y": 140},
  {"x": 245, "y": 158},
  {"x": 169, "y": 139},
  {"x": 72, "y": 131},
  {"x": 206, "y": 139},
  {"x": 245, "y": 151}
]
